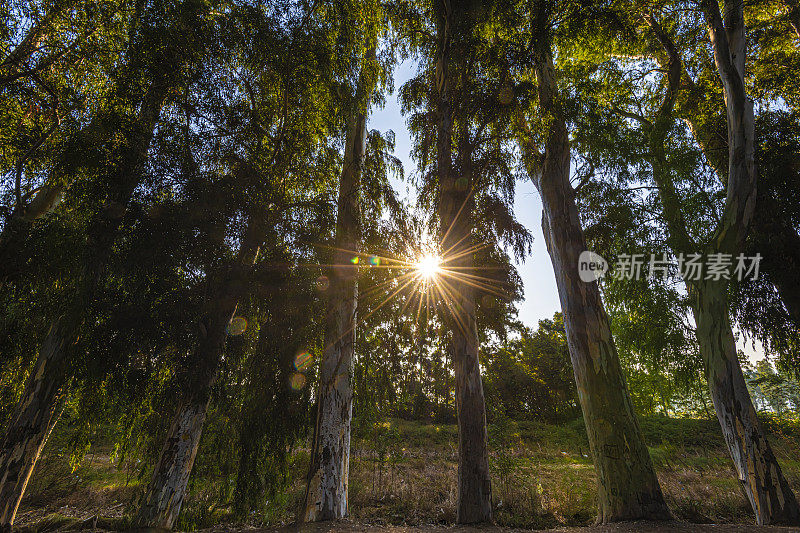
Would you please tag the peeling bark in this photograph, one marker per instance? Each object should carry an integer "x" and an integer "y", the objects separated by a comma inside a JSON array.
[
  {"x": 34, "y": 418},
  {"x": 162, "y": 501},
  {"x": 758, "y": 470},
  {"x": 772, "y": 500},
  {"x": 627, "y": 485},
  {"x": 326, "y": 493},
  {"x": 760, "y": 474}
]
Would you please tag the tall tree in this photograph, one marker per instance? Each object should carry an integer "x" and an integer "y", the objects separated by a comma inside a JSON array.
[
  {"x": 326, "y": 494},
  {"x": 454, "y": 25},
  {"x": 627, "y": 484},
  {"x": 468, "y": 178},
  {"x": 162, "y": 501},
  {"x": 763, "y": 482},
  {"x": 45, "y": 387},
  {"x": 289, "y": 112}
]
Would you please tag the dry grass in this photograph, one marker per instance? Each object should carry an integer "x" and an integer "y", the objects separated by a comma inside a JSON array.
[{"x": 404, "y": 473}]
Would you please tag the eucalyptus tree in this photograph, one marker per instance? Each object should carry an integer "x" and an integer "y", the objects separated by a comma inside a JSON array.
[
  {"x": 627, "y": 484},
  {"x": 683, "y": 169},
  {"x": 769, "y": 307},
  {"x": 768, "y": 491},
  {"x": 278, "y": 125},
  {"x": 326, "y": 494},
  {"x": 142, "y": 86},
  {"x": 467, "y": 183}
]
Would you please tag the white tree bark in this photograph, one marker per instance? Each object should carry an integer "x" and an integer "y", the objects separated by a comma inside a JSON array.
[{"x": 326, "y": 494}]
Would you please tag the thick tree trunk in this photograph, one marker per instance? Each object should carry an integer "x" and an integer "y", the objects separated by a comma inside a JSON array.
[
  {"x": 627, "y": 485},
  {"x": 771, "y": 498},
  {"x": 34, "y": 418},
  {"x": 326, "y": 494},
  {"x": 161, "y": 503},
  {"x": 474, "y": 482},
  {"x": 456, "y": 203},
  {"x": 759, "y": 471}
]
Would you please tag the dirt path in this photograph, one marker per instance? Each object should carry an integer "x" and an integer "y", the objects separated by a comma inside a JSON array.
[{"x": 622, "y": 527}]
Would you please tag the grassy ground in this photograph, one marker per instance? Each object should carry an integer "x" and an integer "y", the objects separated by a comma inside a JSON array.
[{"x": 403, "y": 473}]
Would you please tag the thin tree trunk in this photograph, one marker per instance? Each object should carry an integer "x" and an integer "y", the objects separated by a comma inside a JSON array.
[
  {"x": 326, "y": 493},
  {"x": 627, "y": 485},
  {"x": 456, "y": 203},
  {"x": 13, "y": 63},
  {"x": 758, "y": 469},
  {"x": 161, "y": 503}
]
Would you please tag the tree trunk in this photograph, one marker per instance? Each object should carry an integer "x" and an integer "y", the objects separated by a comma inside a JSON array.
[
  {"x": 771, "y": 498},
  {"x": 326, "y": 494},
  {"x": 166, "y": 491},
  {"x": 34, "y": 418},
  {"x": 474, "y": 483},
  {"x": 15, "y": 232},
  {"x": 627, "y": 485},
  {"x": 758, "y": 470},
  {"x": 162, "y": 500},
  {"x": 456, "y": 202}
]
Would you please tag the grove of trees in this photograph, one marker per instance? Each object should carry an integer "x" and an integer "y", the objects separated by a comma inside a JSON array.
[{"x": 202, "y": 243}]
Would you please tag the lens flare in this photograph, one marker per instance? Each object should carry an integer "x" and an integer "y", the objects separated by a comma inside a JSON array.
[
  {"x": 428, "y": 266},
  {"x": 298, "y": 381},
  {"x": 303, "y": 361},
  {"x": 237, "y": 325},
  {"x": 323, "y": 283},
  {"x": 354, "y": 260},
  {"x": 374, "y": 260}
]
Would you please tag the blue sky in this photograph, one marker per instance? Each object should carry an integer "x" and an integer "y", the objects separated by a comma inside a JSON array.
[{"x": 541, "y": 296}]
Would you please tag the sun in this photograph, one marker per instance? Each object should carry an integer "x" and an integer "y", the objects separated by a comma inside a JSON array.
[{"x": 428, "y": 266}]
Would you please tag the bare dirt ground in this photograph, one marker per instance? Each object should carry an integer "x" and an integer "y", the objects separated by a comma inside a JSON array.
[{"x": 622, "y": 527}]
